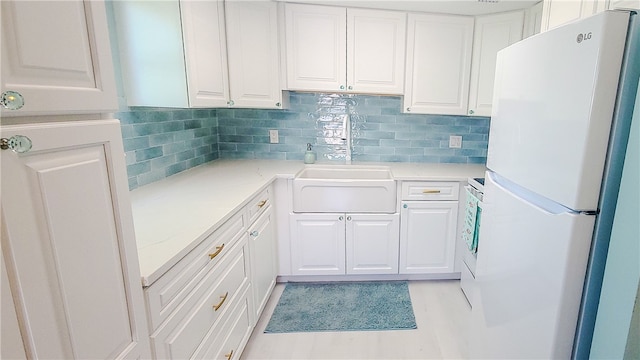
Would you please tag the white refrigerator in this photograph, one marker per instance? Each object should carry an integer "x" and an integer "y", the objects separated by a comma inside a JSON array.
[{"x": 562, "y": 108}]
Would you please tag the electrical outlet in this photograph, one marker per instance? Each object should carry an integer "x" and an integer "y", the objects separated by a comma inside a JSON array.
[
  {"x": 455, "y": 141},
  {"x": 273, "y": 136}
]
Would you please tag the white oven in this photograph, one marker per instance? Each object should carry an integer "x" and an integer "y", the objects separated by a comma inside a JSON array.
[{"x": 470, "y": 234}]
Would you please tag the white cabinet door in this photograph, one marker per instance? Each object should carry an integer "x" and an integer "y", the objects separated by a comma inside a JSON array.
[
  {"x": 70, "y": 249},
  {"x": 10, "y": 338},
  {"x": 57, "y": 55},
  {"x": 177, "y": 58},
  {"x": 372, "y": 242},
  {"x": 254, "y": 59},
  {"x": 317, "y": 244},
  {"x": 205, "y": 52},
  {"x": 624, "y": 4},
  {"x": 316, "y": 47},
  {"x": 375, "y": 51},
  {"x": 492, "y": 34},
  {"x": 427, "y": 236},
  {"x": 264, "y": 260},
  {"x": 438, "y": 64},
  {"x": 532, "y": 20},
  {"x": 560, "y": 12}
]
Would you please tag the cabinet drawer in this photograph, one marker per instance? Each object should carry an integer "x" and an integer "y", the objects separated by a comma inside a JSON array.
[
  {"x": 259, "y": 204},
  {"x": 430, "y": 190},
  {"x": 229, "y": 337},
  {"x": 168, "y": 292},
  {"x": 180, "y": 336}
]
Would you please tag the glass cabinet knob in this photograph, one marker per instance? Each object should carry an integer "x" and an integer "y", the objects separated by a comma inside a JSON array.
[
  {"x": 471, "y": 112},
  {"x": 19, "y": 144},
  {"x": 11, "y": 100},
  {"x": 341, "y": 87}
]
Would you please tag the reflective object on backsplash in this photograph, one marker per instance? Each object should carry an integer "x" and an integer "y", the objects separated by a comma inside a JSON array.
[{"x": 330, "y": 116}]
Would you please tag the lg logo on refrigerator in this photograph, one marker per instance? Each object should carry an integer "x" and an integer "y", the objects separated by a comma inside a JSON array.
[{"x": 583, "y": 37}]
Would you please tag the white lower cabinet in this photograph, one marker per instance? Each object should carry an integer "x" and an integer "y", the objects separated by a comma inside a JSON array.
[
  {"x": 428, "y": 227},
  {"x": 338, "y": 243},
  {"x": 264, "y": 259},
  {"x": 206, "y": 305},
  {"x": 68, "y": 245}
]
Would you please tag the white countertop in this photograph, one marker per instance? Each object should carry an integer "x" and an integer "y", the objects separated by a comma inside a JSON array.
[{"x": 174, "y": 215}]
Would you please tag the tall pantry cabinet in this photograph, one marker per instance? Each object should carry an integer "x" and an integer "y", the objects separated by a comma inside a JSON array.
[
  {"x": 68, "y": 242},
  {"x": 70, "y": 275}
]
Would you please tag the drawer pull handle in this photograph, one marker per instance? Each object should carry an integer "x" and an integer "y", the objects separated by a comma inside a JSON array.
[
  {"x": 218, "y": 250},
  {"x": 427, "y": 191},
  {"x": 229, "y": 355},
  {"x": 223, "y": 297},
  {"x": 262, "y": 203}
]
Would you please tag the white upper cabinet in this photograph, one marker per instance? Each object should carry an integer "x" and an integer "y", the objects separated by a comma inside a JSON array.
[
  {"x": 560, "y": 12},
  {"x": 438, "y": 64},
  {"x": 624, "y": 4},
  {"x": 205, "y": 55},
  {"x": 56, "y": 54},
  {"x": 185, "y": 54},
  {"x": 253, "y": 53},
  {"x": 532, "y": 20},
  {"x": 492, "y": 34},
  {"x": 375, "y": 51},
  {"x": 316, "y": 47},
  {"x": 338, "y": 49}
]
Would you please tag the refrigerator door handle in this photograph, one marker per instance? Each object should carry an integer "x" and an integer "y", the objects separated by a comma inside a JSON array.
[{"x": 539, "y": 201}]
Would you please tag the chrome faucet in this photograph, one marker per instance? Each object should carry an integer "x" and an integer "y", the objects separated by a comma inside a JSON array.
[{"x": 346, "y": 125}]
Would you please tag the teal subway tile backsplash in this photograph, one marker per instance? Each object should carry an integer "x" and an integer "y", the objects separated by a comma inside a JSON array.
[{"x": 162, "y": 142}]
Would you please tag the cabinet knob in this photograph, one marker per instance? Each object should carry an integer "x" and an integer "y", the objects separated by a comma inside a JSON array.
[
  {"x": 350, "y": 87},
  {"x": 348, "y": 218},
  {"x": 11, "y": 100},
  {"x": 277, "y": 104},
  {"x": 254, "y": 233},
  {"x": 341, "y": 87},
  {"x": 18, "y": 144},
  {"x": 408, "y": 109},
  {"x": 341, "y": 218},
  {"x": 471, "y": 112},
  {"x": 405, "y": 206},
  {"x": 230, "y": 103}
]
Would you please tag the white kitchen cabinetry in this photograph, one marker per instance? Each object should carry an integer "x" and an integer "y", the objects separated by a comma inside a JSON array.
[
  {"x": 559, "y": 12},
  {"x": 624, "y": 4},
  {"x": 263, "y": 255},
  {"x": 428, "y": 227},
  {"x": 372, "y": 242},
  {"x": 207, "y": 304},
  {"x": 188, "y": 304},
  {"x": 532, "y": 20},
  {"x": 350, "y": 50},
  {"x": 56, "y": 54},
  {"x": 68, "y": 243},
  {"x": 338, "y": 244},
  {"x": 317, "y": 244},
  {"x": 438, "y": 64},
  {"x": 492, "y": 34},
  {"x": 187, "y": 55}
]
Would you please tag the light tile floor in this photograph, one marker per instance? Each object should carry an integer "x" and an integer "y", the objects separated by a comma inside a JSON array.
[{"x": 441, "y": 312}]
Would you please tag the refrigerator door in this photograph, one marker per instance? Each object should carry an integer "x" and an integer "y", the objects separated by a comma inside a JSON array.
[
  {"x": 531, "y": 263},
  {"x": 553, "y": 103}
]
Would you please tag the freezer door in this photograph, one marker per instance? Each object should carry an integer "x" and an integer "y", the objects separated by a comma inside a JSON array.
[
  {"x": 554, "y": 98},
  {"x": 531, "y": 265}
]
